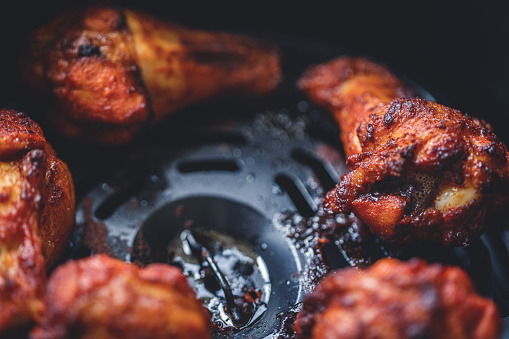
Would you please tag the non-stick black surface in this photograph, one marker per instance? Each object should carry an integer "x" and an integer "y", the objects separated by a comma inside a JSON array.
[
  {"x": 245, "y": 166},
  {"x": 251, "y": 169}
]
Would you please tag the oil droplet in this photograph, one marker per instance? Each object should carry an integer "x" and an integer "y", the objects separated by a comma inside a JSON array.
[
  {"x": 303, "y": 106},
  {"x": 250, "y": 178},
  {"x": 237, "y": 152},
  {"x": 250, "y": 161},
  {"x": 276, "y": 189},
  {"x": 263, "y": 246},
  {"x": 276, "y": 144}
]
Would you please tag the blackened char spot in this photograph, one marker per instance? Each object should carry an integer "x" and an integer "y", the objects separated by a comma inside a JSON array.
[
  {"x": 369, "y": 131},
  {"x": 391, "y": 113},
  {"x": 88, "y": 51}
]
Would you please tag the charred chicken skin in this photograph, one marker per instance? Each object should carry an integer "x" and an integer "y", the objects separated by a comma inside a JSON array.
[
  {"x": 396, "y": 299},
  {"x": 107, "y": 71},
  {"x": 36, "y": 203},
  {"x": 101, "y": 297},
  {"x": 419, "y": 170}
]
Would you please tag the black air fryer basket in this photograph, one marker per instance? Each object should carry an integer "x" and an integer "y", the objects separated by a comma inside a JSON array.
[{"x": 244, "y": 177}]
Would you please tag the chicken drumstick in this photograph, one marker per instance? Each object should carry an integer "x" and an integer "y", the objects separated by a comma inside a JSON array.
[{"x": 105, "y": 72}]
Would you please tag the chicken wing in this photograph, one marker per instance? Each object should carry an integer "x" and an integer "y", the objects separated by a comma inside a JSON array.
[
  {"x": 101, "y": 297},
  {"x": 106, "y": 72},
  {"x": 36, "y": 202},
  {"x": 396, "y": 299},
  {"x": 419, "y": 170}
]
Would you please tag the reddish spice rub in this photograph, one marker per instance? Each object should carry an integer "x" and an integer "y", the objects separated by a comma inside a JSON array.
[
  {"x": 102, "y": 297},
  {"x": 419, "y": 170},
  {"x": 106, "y": 72},
  {"x": 399, "y": 300},
  {"x": 36, "y": 218}
]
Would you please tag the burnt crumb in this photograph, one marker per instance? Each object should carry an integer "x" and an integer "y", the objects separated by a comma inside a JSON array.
[
  {"x": 179, "y": 210},
  {"x": 287, "y": 320},
  {"x": 88, "y": 51}
]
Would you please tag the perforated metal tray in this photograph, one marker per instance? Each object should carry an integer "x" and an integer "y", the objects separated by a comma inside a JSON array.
[
  {"x": 236, "y": 166},
  {"x": 240, "y": 166}
]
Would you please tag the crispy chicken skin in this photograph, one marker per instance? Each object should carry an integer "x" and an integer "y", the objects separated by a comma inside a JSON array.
[
  {"x": 36, "y": 202},
  {"x": 104, "y": 298},
  {"x": 419, "y": 170},
  {"x": 18, "y": 136},
  {"x": 22, "y": 274},
  {"x": 396, "y": 299},
  {"x": 105, "y": 72},
  {"x": 58, "y": 214}
]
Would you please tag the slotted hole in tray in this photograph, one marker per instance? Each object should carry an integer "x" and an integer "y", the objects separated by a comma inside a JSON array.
[
  {"x": 298, "y": 194},
  {"x": 320, "y": 170},
  {"x": 189, "y": 166},
  {"x": 130, "y": 185},
  {"x": 117, "y": 199}
]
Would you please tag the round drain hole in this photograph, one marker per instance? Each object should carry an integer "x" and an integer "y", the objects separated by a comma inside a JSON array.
[
  {"x": 229, "y": 277},
  {"x": 241, "y": 266}
]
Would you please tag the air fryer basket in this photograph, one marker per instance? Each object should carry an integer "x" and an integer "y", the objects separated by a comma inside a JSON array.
[{"x": 253, "y": 171}]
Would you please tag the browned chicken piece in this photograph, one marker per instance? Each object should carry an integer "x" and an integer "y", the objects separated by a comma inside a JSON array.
[
  {"x": 36, "y": 201},
  {"x": 398, "y": 300},
  {"x": 104, "y": 298},
  {"x": 58, "y": 214},
  {"x": 419, "y": 170},
  {"x": 107, "y": 71}
]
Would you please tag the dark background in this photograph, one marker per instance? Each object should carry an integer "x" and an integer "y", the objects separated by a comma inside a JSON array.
[{"x": 458, "y": 50}]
